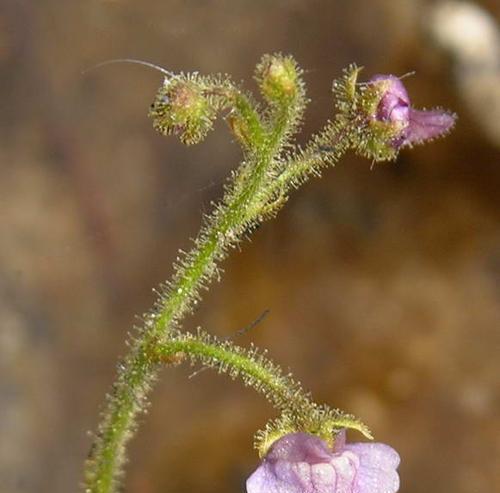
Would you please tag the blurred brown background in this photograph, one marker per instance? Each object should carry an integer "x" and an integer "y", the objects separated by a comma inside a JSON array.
[{"x": 382, "y": 284}]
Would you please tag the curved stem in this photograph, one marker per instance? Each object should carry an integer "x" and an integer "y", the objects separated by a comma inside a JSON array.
[
  {"x": 257, "y": 371},
  {"x": 138, "y": 371},
  {"x": 298, "y": 411}
]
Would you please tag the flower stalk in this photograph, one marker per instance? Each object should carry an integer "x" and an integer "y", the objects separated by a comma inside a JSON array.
[{"x": 298, "y": 411}]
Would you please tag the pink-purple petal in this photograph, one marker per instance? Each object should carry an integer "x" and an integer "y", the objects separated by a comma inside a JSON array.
[
  {"x": 396, "y": 88},
  {"x": 377, "y": 471},
  {"x": 427, "y": 124},
  {"x": 299, "y": 447},
  {"x": 394, "y": 105}
]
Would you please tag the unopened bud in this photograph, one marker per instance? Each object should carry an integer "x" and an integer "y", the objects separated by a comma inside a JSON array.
[
  {"x": 181, "y": 108},
  {"x": 278, "y": 77}
]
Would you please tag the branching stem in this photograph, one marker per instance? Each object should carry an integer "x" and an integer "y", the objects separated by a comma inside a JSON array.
[
  {"x": 138, "y": 371},
  {"x": 187, "y": 105}
]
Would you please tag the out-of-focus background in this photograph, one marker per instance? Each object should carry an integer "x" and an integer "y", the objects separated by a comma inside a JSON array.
[{"x": 382, "y": 284}]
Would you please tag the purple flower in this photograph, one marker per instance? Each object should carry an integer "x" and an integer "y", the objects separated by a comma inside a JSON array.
[
  {"x": 303, "y": 463},
  {"x": 416, "y": 126}
]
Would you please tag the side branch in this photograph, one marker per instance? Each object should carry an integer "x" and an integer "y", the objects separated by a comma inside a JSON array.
[
  {"x": 252, "y": 366},
  {"x": 298, "y": 411}
]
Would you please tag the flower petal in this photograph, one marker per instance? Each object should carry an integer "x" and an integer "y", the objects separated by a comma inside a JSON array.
[
  {"x": 396, "y": 89},
  {"x": 296, "y": 463},
  {"x": 292, "y": 477},
  {"x": 299, "y": 447},
  {"x": 346, "y": 465},
  {"x": 394, "y": 104},
  {"x": 427, "y": 124},
  {"x": 266, "y": 480},
  {"x": 377, "y": 470}
]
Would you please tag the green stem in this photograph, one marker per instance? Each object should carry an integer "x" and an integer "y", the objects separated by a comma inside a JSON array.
[
  {"x": 139, "y": 369},
  {"x": 281, "y": 390},
  {"x": 298, "y": 411},
  {"x": 326, "y": 149}
]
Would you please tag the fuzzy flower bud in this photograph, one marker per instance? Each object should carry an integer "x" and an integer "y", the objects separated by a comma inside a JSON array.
[
  {"x": 278, "y": 77},
  {"x": 181, "y": 108},
  {"x": 410, "y": 126},
  {"x": 303, "y": 463}
]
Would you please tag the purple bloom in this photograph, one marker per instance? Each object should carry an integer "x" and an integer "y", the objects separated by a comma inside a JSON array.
[
  {"x": 416, "y": 126},
  {"x": 303, "y": 463}
]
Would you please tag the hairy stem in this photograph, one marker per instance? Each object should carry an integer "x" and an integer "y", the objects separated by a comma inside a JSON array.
[
  {"x": 253, "y": 367},
  {"x": 325, "y": 148},
  {"x": 298, "y": 411},
  {"x": 138, "y": 371}
]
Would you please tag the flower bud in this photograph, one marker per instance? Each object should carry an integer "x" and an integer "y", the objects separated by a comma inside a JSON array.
[
  {"x": 278, "y": 77},
  {"x": 181, "y": 108}
]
